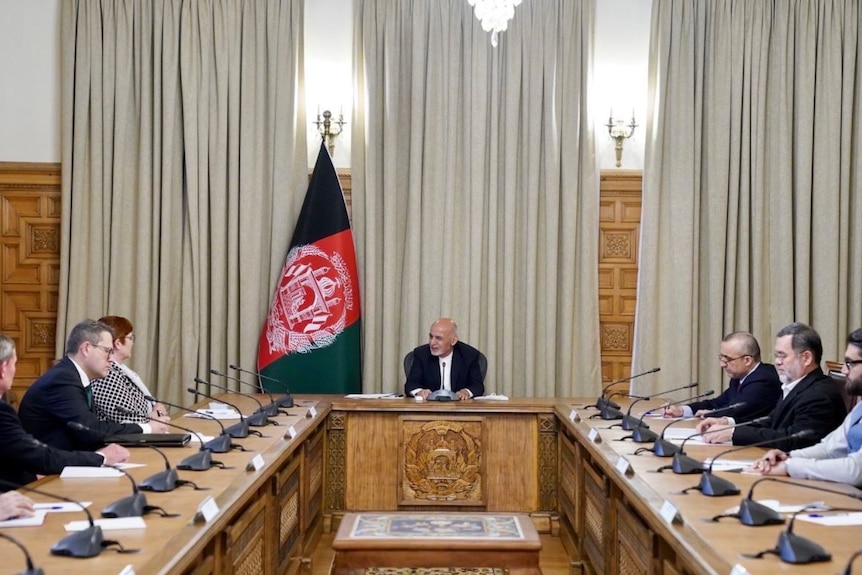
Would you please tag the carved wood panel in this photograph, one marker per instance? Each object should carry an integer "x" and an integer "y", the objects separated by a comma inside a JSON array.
[
  {"x": 619, "y": 233},
  {"x": 29, "y": 265}
]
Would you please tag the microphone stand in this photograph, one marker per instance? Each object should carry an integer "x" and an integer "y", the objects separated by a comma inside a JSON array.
[
  {"x": 601, "y": 402},
  {"x": 286, "y": 401},
  {"x": 756, "y": 514},
  {"x": 88, "y": 542},
  {"x": 682, "y": 464},
  {"x": 639, "y": 422},
  {"x": 31, "y": 570},
  {"x": 134, "y": 505}
]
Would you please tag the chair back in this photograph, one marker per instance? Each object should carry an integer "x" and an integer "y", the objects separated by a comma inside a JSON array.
[
  {"x": 833, "y": 368},
  {"x": 408, "y": 363},
  {"x": 483, "y": 364}
]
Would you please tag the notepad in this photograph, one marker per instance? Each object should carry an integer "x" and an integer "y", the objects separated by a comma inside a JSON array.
[
  {"x": 61, "y": 506},
  {"x": 74, "y": 472},
  {"x": 37, "y": 519},
  {"x": 108, "y": 524}
]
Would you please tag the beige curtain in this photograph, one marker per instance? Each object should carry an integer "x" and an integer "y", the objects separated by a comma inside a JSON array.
[
  {"x": 752, "y": 201},
  {"x": 184, "y": 167},
  {"x": 475, "y": 190}
]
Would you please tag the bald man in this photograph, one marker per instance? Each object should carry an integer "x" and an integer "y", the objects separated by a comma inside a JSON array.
[{"x": 445, "y": 363}]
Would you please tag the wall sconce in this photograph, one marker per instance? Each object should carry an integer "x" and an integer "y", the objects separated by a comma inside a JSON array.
[
  {"x": 329, "y": 128},
  {"x": 619, "y": 133}
]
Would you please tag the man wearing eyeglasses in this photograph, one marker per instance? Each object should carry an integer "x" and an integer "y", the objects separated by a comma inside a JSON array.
[
  {"x": 810, "y": 403},
  {"x": 839, "y": 456},
  {"x": 62, "y": 394},
  {"x": 754, "y": 385}
]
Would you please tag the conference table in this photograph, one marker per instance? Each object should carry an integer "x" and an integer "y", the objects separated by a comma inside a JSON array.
[{"x": 330, "y": 456}]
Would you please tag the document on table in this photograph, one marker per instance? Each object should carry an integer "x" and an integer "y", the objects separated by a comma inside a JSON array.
[
  {"x": 217, "y": 414},
  {"x": 108, "y": 524},
  {"x": 728, "y": 464},
  {"x": 37, "y": 519},
  {"x": 374, "y": 396},
  {"x": 61, "y": 506},
  {"x": 492, "y": 397},
  {"x": 832, "y": 519},
  {"x": 75, "y": 472}
]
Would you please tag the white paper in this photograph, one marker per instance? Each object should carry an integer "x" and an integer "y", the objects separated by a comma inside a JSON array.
[
  {"x": 832, "y": 519},
  {"x": 37, "y": 519},
  {"x": 492, "y": 397},
  {"x": 728, "y": 464},
  {"x": 73, "y": 472},
  {"x": 373, "y": 396},
  {"x": 108, "y": 524},
  {"x": 128, "y": 465},
  {"x": 679, "y": 433},
  {"x": 205, "y": 437},
  {"x": 220, "y": 414},
  {"x": 62, "y": 506}
]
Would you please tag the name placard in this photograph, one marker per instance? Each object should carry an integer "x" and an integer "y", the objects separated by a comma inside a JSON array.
[
  {"x": 256, "y": 463},
  {"x": 312, "y": 412},
  {"x": 128, "y": 570},
  {"x": 669, "y": 512},
  {"x": 291, "y": 432},
  {"x": 623, "y": 465},
  {"x": 739, "y": 570},
  {"x": 594, "y": 436},
  {"x": 207, "y": 510},
  {"x": 574, "y": 417}
]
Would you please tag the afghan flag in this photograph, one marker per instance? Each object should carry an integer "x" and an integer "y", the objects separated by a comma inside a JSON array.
[{"x": 311, "y": 339}]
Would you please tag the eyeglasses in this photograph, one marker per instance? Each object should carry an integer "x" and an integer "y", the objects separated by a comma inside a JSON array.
[
  {"x": 131, "y": 337},
  {"x": 105, "y": 348},
  {"x": 725, "y": 359},
  {"x": 849, "y": 363}
]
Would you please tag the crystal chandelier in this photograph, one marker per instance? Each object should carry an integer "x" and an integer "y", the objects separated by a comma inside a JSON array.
[{"x": 494, "y": 15}]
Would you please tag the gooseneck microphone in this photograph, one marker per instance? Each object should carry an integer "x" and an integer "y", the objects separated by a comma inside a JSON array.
[
  {"x": 714, "y": 486},
  {"x": 847, "y": 570},
  {"x": 88, "y": 542},
  {"x": 755, "y": 514},
  {"x": 237, "y": 430},
  {"x": 31, "y": 570},
  {"x": 609, "y": 412},
  {"x": 134, "y": 505},
  {"x": 601, "y": 402},
  {"x": 661, "y": 447},
  {"x": 286, "y": 401},
  {"x": 682, "y": 464},
  {"x": 257, "y": 419},
  {"x": 200, "y": 461},
  {"x": 220, "y": 444}
]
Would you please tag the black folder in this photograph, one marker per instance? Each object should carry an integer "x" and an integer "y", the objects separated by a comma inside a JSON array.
[{"x": 157, "y": 439}]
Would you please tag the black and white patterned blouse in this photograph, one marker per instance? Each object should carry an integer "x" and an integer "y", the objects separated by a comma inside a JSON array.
[{"x": 122, "y": 387}]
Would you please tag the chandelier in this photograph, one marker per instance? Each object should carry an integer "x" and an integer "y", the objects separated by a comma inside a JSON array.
[{"x": 494, "y": 15}]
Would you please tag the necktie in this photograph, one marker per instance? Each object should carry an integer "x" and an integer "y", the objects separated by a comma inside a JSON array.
[
  {"x": 443, "y": 376},
  {"x": 89, "y": 391}
]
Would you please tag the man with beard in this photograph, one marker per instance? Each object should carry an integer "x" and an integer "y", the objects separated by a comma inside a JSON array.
[
  {"x": 445, "y": 363},
  {"x": 839, "y": 456},
  {"x": 810, "y": 402}
]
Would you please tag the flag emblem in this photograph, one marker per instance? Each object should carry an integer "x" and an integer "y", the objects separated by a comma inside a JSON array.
[{"x": 313, "y": 301}]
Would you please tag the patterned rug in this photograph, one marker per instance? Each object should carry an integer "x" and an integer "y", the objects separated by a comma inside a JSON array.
[{"x": 436, "y": 526}]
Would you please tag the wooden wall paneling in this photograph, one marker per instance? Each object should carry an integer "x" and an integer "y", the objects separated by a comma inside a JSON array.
[
  {"x": 619, "y": 234},
  {"x": 247, "y": 542},
  {"x": 287, "y": 520},
  {"x": 29, "y": 265},
  {"x": 312, "y": 485}
]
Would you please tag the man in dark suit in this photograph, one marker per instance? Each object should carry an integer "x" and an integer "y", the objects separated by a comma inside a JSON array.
[
  {"x": 810, "y": 402},
  {"x": 62, "y": 394},
  {"x": 753, "y": 384},
  {"x": 445, "y": 363},
  {"x": 23, "y": 457}
]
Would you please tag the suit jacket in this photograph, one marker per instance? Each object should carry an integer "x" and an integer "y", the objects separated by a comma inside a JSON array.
[
  {"x": 814, "y": 404},
  {"x": 22, "y": 456},
  {"x": 760, "y": 392},
  {"x": 465, "y": 374},
  {"x": 58, "y": 397}
]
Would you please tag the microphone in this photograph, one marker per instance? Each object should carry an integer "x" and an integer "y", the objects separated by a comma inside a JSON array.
[
  {"x": 713, "y": 486},
  {"x": 237, "y": 430},
  {"x": 271, "y": 409},
  {"x": 258, "y": 418},
  {"x": 609, "y": 412},
  {"x": 730, "y": 407},
  {"x": 601, "y": 402},
  {"x": 88, "y": 542},
  {"x": 220, "y": 444},
  {"x": 791, "y": 548},
  {"x": 682, "y": 464},
  {"x": 755, "y": 514},
  {"x": 134, "y": 505},
  {"x": 31, "y": 570},
  {"x": 639, "y": 422},
  {"x": 286, "y": 401},
  {"x": 200, "y": 461}
]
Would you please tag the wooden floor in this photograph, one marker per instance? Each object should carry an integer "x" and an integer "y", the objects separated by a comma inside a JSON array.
[{"x": 552, "y": 558}]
